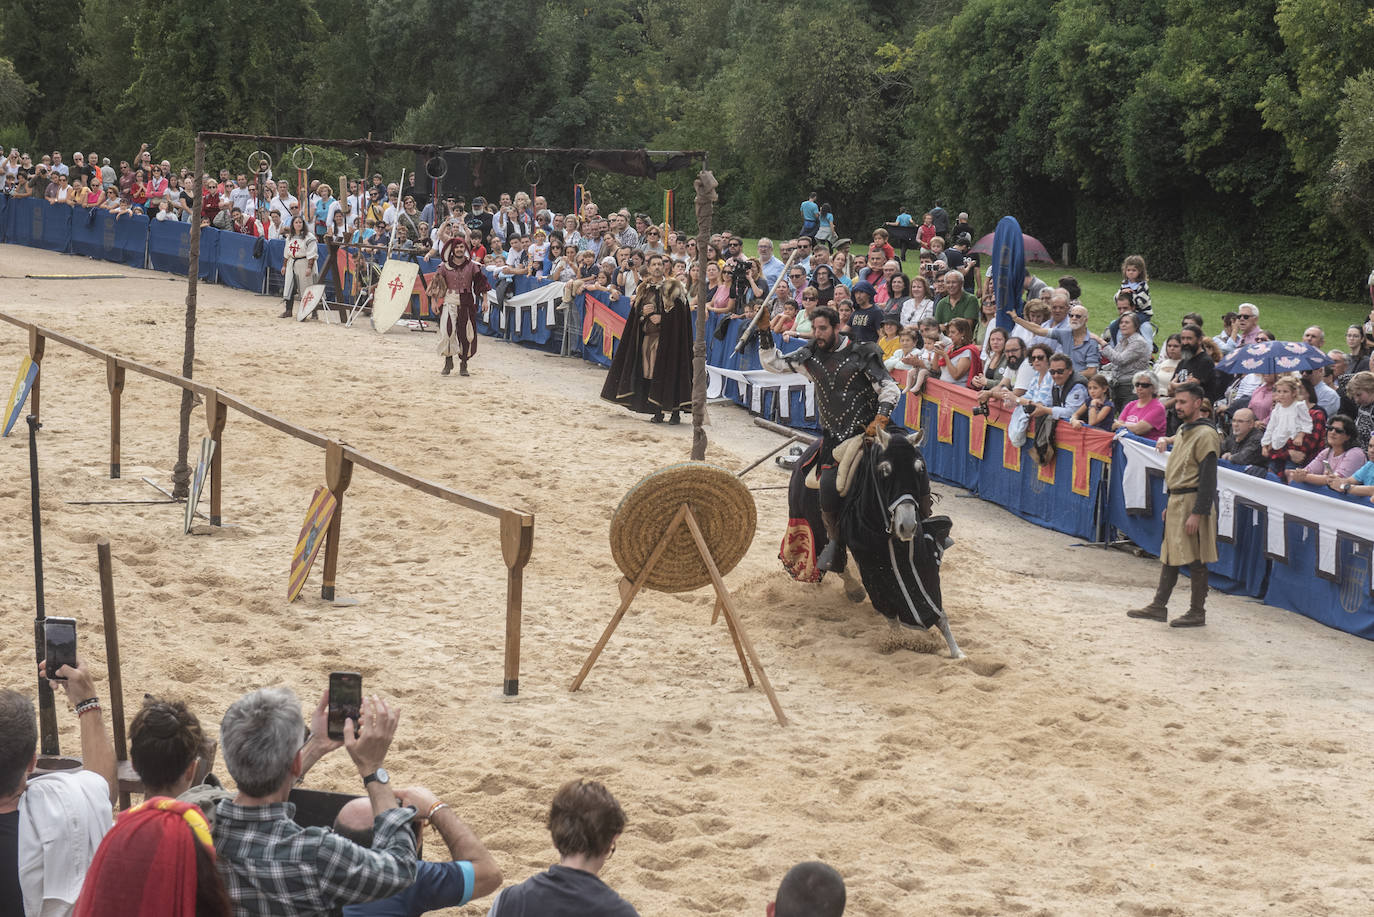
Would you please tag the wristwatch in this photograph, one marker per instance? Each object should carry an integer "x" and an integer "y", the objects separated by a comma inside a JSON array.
[{"x": 379, "y": 776}]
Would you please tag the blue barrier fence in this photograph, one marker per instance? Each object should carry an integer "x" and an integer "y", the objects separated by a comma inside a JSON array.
[
  {"x": 1297, "y": 547},
  {"x": 98, "y": 234},
  {"x": 1319, "y": 564}
]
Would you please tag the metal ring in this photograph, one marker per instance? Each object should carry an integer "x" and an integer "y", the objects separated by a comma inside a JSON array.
[
  {"x": 583, "y": 167},
  {"x": 296, "y": 158},
  {"x": 430, "y": 170},
  {"x": 538, "y": 173},
  {"x": 259, "y": 157}
]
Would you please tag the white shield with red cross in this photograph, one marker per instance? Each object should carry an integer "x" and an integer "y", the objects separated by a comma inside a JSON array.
[
  {"x": 392, "y": 296},
  {"x": 310, "y": 301}
]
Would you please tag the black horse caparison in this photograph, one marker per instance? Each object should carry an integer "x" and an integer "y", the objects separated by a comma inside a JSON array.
[{"x": 888, "y": 530}]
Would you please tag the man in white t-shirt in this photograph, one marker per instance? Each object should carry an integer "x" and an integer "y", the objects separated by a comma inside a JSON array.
[
  {"x": 283, "y": 201},
  {"x": 240, "y": 194},
  {"x": 356, "y": 203},
  {"x": 51, "y": 825},
  {"x": 517, "y": 258}
]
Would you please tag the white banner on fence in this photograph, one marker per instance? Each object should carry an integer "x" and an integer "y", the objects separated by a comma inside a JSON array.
[
  {"x": 547, "y": 296},
  {"x": 757, "y": 382},
  {"x": 1332, "y": 517}
]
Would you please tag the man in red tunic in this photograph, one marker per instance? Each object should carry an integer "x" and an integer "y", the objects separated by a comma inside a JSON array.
[{"x": 461, "y": 284}]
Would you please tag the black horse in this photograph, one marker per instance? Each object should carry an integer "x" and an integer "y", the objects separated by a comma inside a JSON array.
[{"x": 888, "y": 530}]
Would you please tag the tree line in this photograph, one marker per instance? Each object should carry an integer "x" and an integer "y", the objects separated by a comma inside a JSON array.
[{"x": 1228, "y": 143}]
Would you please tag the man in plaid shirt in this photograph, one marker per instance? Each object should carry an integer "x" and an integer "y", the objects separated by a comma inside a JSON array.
[{"x": 271, "y": 865}]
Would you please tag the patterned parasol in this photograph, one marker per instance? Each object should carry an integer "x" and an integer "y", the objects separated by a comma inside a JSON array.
[{"x": 1273, "y": 357}]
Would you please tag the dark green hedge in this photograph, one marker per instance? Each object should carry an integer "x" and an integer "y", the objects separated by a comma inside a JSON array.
[{"x": 1224, "y": 244}]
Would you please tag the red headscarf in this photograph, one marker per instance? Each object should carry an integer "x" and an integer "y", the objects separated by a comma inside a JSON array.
[{"x": 146, "y": 865}]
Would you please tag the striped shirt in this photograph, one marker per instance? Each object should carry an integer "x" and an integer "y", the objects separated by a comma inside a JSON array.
[{"x": 275, "y": 868}]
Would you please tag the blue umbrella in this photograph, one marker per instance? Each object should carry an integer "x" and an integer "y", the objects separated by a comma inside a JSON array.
[{"x": 1273, "y": 357}]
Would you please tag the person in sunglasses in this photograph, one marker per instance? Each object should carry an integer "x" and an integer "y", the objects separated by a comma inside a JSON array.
[{"x": 1341, "y": 458}]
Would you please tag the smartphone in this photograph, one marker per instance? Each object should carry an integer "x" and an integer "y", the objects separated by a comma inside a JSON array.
[
  {"x": 345, "y": 702},
  {"x": 59, "y": 639}
]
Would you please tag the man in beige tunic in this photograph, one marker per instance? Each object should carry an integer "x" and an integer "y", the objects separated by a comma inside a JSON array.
[{"x": 1190, "y": 521}]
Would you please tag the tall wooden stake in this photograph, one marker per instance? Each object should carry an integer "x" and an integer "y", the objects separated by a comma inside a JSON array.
[
  {"x": 36, "y": 345},
  {"x": 181, "y": 473},
  {"x": 706, "y": 196},
  {"x": 47, "y": 712},
  {"x": 114, "y": 380},
  {"x": 107, "y": 606}
]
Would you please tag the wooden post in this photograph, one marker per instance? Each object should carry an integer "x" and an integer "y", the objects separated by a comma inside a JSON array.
[
  {"x": 47, "y": 709},
  {"x": 517, "y": 540},
  {"x": 36, "y": 342},
  {"x": 216, "y": 413},
  {"x": 181, "y": 472},
  {"x": 114, "y": 381},
  {"x": 107, "y": 604},
  {"x": 706, "y": 196},
  {"x": 338, "y": 473}
]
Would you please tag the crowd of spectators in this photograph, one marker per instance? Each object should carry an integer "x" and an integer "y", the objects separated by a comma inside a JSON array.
[
  {"x": 937, "y": 321},
  {"x": 194, "y": 849}
]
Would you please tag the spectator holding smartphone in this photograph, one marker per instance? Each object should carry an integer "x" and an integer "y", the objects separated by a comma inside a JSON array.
[
  {"x": 51, "y": 825},
  {"x": 272, "y": 865}
]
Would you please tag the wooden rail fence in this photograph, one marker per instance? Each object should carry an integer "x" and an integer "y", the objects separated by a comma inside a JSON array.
[{"x": 517, "y": 526}]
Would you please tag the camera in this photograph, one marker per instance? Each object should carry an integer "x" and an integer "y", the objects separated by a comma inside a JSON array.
[
  {"x": 979, "y": 409},
  {"x": 739, "y": 278}
]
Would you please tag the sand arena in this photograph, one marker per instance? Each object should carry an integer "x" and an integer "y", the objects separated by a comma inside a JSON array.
[{"x": 1076, "y": 763}]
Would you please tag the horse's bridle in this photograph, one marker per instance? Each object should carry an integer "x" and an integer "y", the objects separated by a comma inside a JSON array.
[{"x": 877, "y": 492}]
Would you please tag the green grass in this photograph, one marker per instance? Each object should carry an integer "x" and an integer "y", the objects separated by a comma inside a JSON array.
[{"x": 1286, "y": 316}]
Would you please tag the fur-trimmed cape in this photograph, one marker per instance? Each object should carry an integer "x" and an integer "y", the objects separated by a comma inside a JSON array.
[{"x": 671, "y": 387}]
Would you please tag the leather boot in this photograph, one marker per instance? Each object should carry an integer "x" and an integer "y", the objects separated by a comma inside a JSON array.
[
  {"x": 1150, "y": 612},
  {"x": 448, "y": 366},
  {"x": 676, "y": 418},
  {"x": 463, "y": 368},
  {"x": 830, "y": 556},
  {"x": 1197, "y": 614},
  {"x": 285, "y": 310},
  {"x": 1158, "y": 610}
]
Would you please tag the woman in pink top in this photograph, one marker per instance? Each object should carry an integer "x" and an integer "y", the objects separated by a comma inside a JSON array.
[
  {"x": 1341, "y": 458},
  {"x": 157, "y": 184},
  {"x": 1144, "y": 416},
  {"x": 1262, "y": 398}
]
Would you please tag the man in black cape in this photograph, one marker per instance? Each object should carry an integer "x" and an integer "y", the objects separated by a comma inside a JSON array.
[{"x": 652, "y": 368}]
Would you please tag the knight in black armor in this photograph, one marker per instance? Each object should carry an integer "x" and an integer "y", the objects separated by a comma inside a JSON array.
[{"x": 854, "y": 394}]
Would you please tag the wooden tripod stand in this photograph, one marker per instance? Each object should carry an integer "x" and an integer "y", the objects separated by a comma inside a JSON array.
[{"x": 724, "y": 602}]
